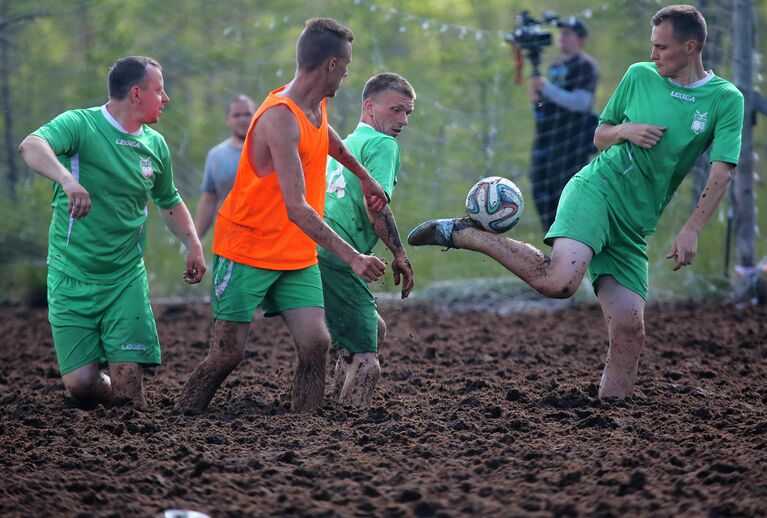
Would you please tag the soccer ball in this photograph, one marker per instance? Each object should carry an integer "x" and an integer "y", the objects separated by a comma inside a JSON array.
[{"x": 495, "y": 203}]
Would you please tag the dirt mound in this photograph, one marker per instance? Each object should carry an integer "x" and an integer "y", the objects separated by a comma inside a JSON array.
[{"x": 475, "y": 414}]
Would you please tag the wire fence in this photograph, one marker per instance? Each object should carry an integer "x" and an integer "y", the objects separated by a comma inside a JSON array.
[{"x": 471, "y": 119}]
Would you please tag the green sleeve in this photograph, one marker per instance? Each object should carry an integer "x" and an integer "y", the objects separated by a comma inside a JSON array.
[
  {"x": 164, "y": 192},
  {"x": 62, "y": 133},
  {"x": 613, "y": 113},
  {"x": 728, "y": 128},
  {"x": 381, "y": 159}
]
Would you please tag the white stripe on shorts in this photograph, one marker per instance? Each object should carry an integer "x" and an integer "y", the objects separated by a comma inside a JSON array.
[{"x": 221, "y": 285}]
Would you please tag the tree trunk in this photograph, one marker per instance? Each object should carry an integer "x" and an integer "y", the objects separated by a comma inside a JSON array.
[{"x": 7, "y": 107}]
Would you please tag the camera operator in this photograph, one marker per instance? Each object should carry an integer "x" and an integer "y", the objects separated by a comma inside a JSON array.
[{"x": 564, "y": 122}]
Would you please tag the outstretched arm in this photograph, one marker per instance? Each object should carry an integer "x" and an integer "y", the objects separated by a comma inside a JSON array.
[
  {"x": 685, "y": 245},
  {"x": 179, "y": 221},
  {"x": 374, "y": 194},
  {"x": 282, "y": 136},
  {"x": 39, "y": 156},
  {"x": 386, "y": 229}
]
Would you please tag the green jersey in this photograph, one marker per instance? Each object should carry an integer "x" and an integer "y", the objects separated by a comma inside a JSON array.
[
  {"x": 119, "y": 170},
  {"x": 640, "y": 182},
  {"x": 344, "y": 202}
]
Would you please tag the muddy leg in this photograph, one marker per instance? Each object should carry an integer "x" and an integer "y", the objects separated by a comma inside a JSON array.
[
  {"x": 88, "y": 385},
  {"x": 360, "y": 374},
  {"x": 227, "y": 347},
  {"x": 381, "y": 332},
  {"x": 624, "y": 313},
  {"x": 312, "y": 340},
  {"x": 557, "y": 276},
  {"x": 340, "y": 372},
  {"x": 363, "y": 375},
  {"x": 128, "y": 381}
]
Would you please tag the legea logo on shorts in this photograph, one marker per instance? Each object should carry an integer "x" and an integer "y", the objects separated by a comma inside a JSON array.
[{"x": 133, "y": 347}]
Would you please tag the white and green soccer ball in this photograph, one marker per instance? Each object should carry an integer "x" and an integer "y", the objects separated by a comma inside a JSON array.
[{"x": 496, "y": 203}]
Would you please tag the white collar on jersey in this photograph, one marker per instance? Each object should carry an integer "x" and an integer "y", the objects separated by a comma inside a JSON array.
[
  {"x": 365, "y": 125},
  {"x": 111, "y": 120},
  {"x": 700, "y": 82}
]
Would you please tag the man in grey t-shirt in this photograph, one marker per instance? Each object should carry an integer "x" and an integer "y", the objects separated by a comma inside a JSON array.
[{"x": 221, "y": 163}]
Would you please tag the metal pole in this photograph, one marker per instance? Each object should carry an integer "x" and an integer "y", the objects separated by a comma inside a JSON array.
[{"x": 743, "y": 181}]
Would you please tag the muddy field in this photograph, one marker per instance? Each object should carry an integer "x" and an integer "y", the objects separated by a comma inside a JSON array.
[{"x": 475, "y": 415}]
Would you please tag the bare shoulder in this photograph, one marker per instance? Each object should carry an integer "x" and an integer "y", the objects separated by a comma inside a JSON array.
[
  {"x": 275, "y": 136},
  {"x": 278, "y": 121}
]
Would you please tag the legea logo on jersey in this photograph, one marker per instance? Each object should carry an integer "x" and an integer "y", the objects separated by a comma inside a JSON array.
[
  {"x": 129, "y": 143},
  {"x": 684, "y": 97},
  {"x": 146, "y": 166},
  {"x": 699, "y": 122}
]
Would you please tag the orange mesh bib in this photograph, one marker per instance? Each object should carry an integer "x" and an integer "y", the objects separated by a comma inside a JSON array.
[{"x": 252, "y": 226}]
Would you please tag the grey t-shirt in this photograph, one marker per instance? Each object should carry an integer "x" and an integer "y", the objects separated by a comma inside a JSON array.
[{"x": 221, "y": 169}]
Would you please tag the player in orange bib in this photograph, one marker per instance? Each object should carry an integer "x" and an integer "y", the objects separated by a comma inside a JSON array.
[{"x": 267, "y": 231}]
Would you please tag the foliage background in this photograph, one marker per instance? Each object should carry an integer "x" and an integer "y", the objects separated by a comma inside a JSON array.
[{"x": 471, "y": 119}]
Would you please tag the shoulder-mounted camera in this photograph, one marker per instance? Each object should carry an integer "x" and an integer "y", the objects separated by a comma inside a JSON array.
[{"x": 530, "y": 37}]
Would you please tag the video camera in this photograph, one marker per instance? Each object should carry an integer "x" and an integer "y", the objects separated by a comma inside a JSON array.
[{"x": 530, "y": 37}]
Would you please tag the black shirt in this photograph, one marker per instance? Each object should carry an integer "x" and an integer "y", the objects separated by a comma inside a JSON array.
[{"x": 559, "y": 130}]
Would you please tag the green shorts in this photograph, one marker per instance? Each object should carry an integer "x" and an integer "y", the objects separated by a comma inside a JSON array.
[
  {"x": 104, "y": 322},
  {"x": 237, "y": 290},
  {"x": 350, "y": 309},
  {"x": 585, "y": 214}
]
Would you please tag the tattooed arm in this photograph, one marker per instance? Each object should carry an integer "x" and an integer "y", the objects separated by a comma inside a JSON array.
[{"x": 386, "y": 228}]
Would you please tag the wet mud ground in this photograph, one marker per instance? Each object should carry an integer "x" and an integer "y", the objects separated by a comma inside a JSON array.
[{"x": 475, "y": 415}]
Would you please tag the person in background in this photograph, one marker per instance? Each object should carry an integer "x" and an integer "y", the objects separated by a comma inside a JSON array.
[
  {"x": 222, "y": 162},
  {"x": 564, "y": 122}
]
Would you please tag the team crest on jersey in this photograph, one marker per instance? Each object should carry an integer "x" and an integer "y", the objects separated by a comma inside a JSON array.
[
  {"x": 699, "y": 122},
  {"x": 146, "y": 166}
]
